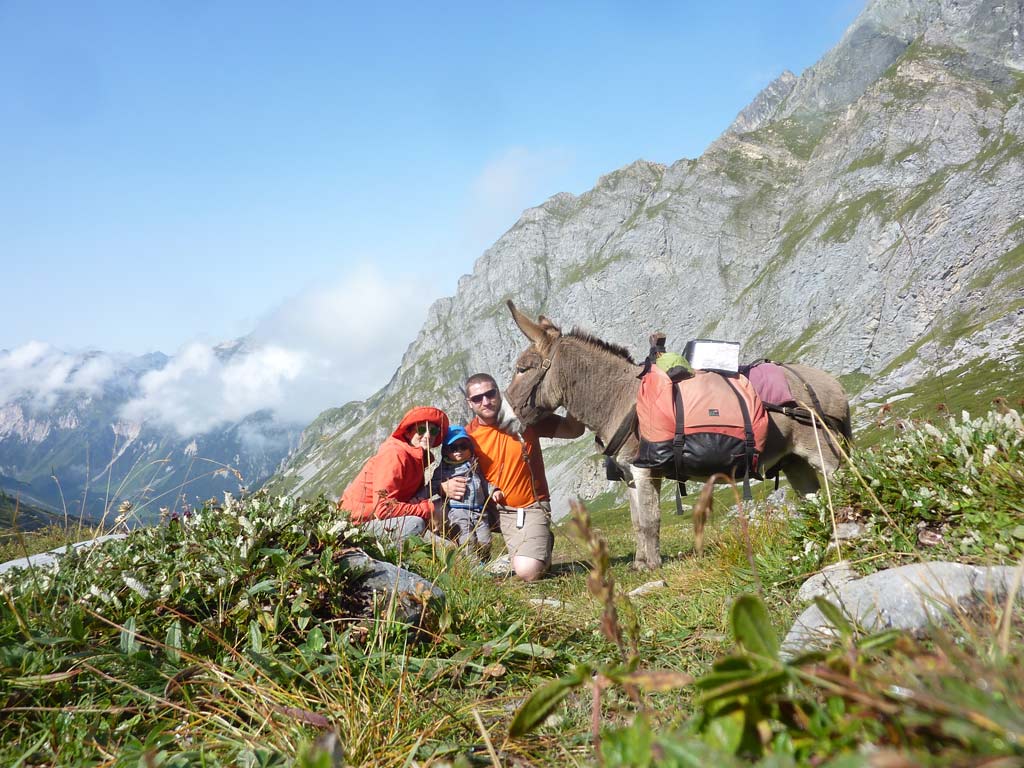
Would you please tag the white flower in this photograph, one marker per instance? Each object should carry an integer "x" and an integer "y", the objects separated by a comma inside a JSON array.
[
  {"x": 135, "y": 585},
  {"x": 988, "y": 454}
]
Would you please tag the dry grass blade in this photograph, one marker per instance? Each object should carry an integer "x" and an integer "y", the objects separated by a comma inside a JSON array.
[
  {"x": 1006, "y": 620},
  {"x": 487, "y": 738},
  {"x": 701, "y": 512}
]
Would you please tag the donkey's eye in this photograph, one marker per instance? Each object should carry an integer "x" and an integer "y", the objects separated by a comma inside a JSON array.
[{"x": 521, "y": 369}]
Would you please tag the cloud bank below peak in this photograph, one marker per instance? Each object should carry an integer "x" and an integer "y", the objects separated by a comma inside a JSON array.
[
  {"x": 328, "y": 345},
  {"x": 43, "y": 373}
]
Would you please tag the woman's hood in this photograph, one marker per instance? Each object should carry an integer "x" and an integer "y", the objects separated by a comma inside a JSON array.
[{"x": 423, "y": 414}]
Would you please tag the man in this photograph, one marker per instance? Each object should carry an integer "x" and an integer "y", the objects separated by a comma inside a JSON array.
[{"x": 512, "y": 463}]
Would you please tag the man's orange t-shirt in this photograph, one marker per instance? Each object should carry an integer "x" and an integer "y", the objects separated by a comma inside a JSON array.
[{"x": 501, "y": 460}]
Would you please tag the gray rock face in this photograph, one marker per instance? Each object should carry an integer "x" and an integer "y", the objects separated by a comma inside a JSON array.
[
  {"x": 865, "y": 219},
  {"x": 763, "y": 108},
  {"x": 911, "y": 597}
]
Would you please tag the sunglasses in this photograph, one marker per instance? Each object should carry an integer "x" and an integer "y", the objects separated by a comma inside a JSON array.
[
  {"x": 422, "y": 429},
  {"x": 490, "y": 394}
]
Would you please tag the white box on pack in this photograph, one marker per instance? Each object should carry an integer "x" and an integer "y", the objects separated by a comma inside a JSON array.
[{"x": 711, "y": 355}]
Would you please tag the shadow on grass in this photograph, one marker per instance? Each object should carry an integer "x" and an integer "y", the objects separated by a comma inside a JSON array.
[{"x": 569, "y": 568}]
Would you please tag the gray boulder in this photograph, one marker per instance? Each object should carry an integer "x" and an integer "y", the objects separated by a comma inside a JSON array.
[
  {"x": 911, "y": 597},
  {"x": 827, "y": 583},
  {"x": 405, "y": 592}
]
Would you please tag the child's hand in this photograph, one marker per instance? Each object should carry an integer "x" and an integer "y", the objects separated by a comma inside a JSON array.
[
  {"x": 498, "y": 497},
  {"x": 454, "y": 488}
]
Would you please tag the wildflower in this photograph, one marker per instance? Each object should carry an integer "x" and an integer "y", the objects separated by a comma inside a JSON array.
[
  {"x": 123, "y": 511},
  {"x": 135, "y": 585}
]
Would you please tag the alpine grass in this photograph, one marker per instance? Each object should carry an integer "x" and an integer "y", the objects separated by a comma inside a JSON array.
[{"x": 240, "y": 635}]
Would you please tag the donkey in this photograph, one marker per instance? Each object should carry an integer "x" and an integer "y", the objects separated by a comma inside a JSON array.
[{"x": 597, "y": 383}]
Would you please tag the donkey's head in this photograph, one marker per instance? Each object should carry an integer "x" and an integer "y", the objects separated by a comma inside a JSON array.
[{"x": 533, "y": 394}]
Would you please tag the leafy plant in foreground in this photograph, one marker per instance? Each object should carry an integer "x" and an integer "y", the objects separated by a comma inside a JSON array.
[
  {"x": 220, "y": 620},
  {"x": 626, "y": 673},
  {"x": 921, "y": 703}
]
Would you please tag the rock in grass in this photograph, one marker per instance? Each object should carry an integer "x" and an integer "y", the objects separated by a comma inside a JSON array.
[
  {"x": 500, "y": 566},
  {"x": 911, "y": 597},
  {"x": 49, "y": 558},
  {"x": 849, "y": 531},
  {"x": 827, "y": 582},
  {"x": 547, "y": 602},
  {"x": 410, "y": 592},
  {"x": 650, "y": 586}
]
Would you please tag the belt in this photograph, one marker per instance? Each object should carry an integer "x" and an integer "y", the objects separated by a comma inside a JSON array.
[
  {"x": 520, "y": 512},
  {"x": 544, "y": 506}
]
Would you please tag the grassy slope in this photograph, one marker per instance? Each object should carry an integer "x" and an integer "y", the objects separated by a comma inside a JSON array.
[{"x": 268, "y": 665}]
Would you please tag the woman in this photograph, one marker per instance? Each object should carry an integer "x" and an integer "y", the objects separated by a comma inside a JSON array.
[{"x": 388, "y": 496}]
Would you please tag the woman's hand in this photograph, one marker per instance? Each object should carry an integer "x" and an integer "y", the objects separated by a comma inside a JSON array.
[{"x": 454, "y": 488}]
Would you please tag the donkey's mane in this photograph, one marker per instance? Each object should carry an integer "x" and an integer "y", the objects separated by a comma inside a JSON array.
[{"x": 607, "y": 346}]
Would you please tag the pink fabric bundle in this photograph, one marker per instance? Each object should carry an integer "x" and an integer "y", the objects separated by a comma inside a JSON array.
[{"x": 770, "y": 383}]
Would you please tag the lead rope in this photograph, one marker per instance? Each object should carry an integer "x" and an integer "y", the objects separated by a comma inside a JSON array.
[{"x": 529, "y": 468}]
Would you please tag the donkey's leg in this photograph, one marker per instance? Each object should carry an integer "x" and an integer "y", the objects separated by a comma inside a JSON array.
[{"x": 645, "y": 511}]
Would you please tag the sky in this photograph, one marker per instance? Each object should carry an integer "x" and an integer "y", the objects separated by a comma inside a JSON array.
[{"x": 178, "y": 173}]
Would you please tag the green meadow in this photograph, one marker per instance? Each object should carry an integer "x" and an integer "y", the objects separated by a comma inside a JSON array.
[{"x": 238, "y": 635}]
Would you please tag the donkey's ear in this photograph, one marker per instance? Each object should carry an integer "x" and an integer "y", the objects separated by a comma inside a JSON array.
[
  {"x": 548, "y": 326},
  {"x": 551, "y": 330},
  {"x": 536, "y": 333}
]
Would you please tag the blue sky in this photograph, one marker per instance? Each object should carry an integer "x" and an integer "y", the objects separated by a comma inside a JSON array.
[{"x": 187, "y": 171}]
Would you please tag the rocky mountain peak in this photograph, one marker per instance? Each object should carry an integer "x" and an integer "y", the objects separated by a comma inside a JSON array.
[
  {"x": 991, "y": 29},
  {"x": 864, "y": 217},
  {"x": 762, "y": 109}
]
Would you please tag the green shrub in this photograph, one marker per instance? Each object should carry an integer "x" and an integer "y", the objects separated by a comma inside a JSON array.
[{"x": 960, "y": 478}]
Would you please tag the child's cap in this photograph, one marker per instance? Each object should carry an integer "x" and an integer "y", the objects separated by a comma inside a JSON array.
[{"x": 454, "y": 434}]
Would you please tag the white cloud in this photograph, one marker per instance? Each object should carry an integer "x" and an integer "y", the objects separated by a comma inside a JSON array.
[
  {"x": 91, "y": 376},
  {"x": 330, "y": 344},
  {"x": 43, "y": 373},
  {"x": 516, "y": 179}
]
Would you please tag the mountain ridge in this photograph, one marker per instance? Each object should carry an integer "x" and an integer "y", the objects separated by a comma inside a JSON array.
[{"x": 853, "y": 227}]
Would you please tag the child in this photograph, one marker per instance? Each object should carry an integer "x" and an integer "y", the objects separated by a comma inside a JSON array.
[{"x": 465, "y": 520}]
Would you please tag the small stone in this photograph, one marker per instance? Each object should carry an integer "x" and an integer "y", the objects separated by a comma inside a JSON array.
[
  {"x": 848, "y": 531},
  {"x": 547, "y": 602},
  {"x": 494, "y": 670},
  {"x": 650, "y": 586},
  {"x": 501, "y": 566},
  {"x": 927, "y": 537}
]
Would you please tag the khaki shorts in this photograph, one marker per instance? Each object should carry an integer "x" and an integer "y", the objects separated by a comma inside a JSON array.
[{"x": 534, "y": 539}]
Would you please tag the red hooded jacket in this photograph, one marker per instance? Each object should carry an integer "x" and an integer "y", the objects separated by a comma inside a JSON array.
[{"x": 386, "y": 483}]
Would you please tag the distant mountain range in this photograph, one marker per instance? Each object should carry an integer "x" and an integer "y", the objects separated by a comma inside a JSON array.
[
  {"x": 866, "y": 217},
  {"x": 74, "y": 452}
]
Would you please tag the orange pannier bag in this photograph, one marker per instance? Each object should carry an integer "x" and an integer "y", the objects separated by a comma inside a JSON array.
[{"x": 700, "y": 424}]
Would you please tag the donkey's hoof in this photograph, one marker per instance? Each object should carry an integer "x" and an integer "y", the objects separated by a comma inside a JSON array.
[{"x": 645, "y": 565}]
